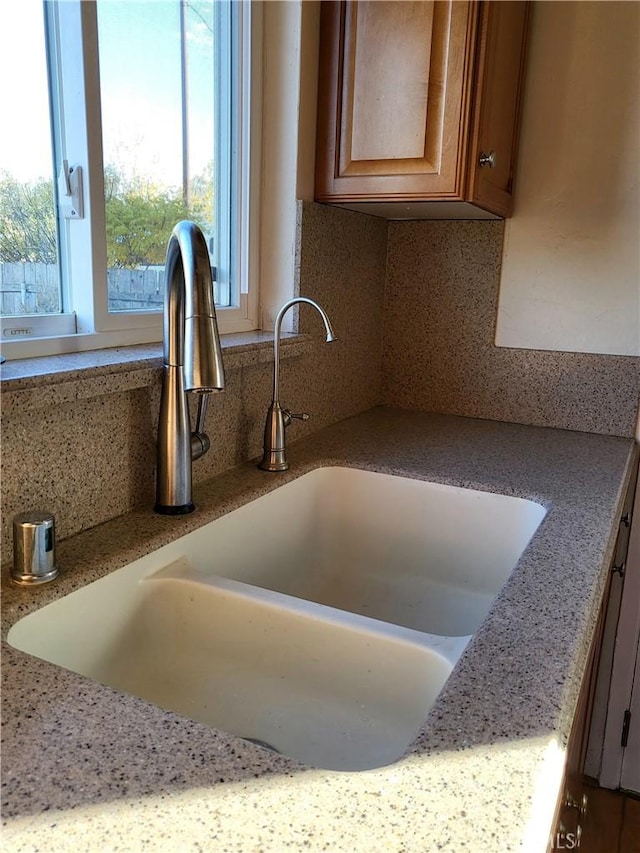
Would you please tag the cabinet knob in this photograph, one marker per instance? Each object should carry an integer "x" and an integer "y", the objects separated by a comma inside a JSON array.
[
  {"x": 487, "y": 161},
  {"x": 581, "y": 805}
]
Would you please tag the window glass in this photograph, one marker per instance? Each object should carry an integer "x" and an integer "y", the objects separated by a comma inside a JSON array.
[
  {"x": 157, "y": 101},
  {"x": 29, "y": 272},
  {"x": 151, "y": 101}
]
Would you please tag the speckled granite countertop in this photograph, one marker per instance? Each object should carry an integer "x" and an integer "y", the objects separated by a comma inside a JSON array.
[{"x": 86, "y": 768}]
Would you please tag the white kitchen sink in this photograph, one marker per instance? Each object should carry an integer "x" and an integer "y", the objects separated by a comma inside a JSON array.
[
  {"x": 321, "y": 619},
  {"x": 326, "y": 687},
  {"x": 414, "y": 553}
]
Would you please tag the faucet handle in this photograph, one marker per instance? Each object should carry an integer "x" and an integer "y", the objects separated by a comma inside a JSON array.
[{"x": 289, "y": 416}]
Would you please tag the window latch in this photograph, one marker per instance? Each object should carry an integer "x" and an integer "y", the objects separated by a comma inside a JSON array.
[{"x": 70, "y": 197}]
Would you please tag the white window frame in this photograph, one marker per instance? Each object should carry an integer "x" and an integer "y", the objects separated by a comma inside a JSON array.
[{"x": 78, "y": 139}]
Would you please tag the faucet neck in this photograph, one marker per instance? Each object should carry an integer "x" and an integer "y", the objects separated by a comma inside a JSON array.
[
  {"x": 276, "y": 336},
  {"x": 191, "y": 337},
  {"x": 192, "y": 362},
  {"x": 274, "y": 457}
]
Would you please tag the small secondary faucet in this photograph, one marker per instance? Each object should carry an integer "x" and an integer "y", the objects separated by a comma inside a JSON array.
[
  {"x": 278, "y": 419},
  {"x": 192, "y": 362}
]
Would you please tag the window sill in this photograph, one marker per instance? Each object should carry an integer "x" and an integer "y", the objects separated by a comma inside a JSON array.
[{"x": 36, "y": 383}]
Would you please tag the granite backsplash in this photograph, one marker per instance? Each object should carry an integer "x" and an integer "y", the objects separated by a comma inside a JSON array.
[{"x": 441, "y": 301}]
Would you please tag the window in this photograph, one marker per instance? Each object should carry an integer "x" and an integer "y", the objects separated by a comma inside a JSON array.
[
  {"x": 29, "y": 270},
  {"x": 149, "y": 125}
]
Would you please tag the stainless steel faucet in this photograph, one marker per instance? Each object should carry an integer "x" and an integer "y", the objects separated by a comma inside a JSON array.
[
  {"x": 278, "y": 419},
  {"x": 192, "y": 362}
]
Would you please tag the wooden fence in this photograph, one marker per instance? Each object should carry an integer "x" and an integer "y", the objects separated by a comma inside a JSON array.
[{"x": 29, "y": 288}]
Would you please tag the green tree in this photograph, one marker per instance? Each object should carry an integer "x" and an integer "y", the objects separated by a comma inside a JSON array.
[
  {"x": 139, "y": 226},
  {"x": 201, "y": 210},
  {"x": 27, "y": 221},
  {"x": 139, "y": 218}
]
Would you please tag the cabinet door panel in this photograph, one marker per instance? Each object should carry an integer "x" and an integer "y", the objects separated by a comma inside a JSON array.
[
  {"x": 385, "y": 115},
  {"x": 395, "y": 81},
  {"x": 501, "y": 58}
]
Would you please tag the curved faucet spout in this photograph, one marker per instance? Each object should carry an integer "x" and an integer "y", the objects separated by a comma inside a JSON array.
[
  {"x": 278, "y": 419},
  {"x": 192, "y": 362},
  {"x": 276, "y": 335},
  {"x": 191, "y": 337}
]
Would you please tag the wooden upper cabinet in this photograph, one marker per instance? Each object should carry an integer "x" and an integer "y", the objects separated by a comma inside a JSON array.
[{"x": 411, "y": 94}]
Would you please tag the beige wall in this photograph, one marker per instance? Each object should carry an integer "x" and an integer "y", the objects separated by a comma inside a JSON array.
[
  {"x": 288, "y": 109},
  {"x": 571, "y": 269}
]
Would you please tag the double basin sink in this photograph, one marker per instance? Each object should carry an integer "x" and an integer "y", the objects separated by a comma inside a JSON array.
[{"x": 321, "y": 620}]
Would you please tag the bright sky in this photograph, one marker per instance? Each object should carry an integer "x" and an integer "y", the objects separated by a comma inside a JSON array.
[
  {"x": 24, "y": 138},
  {"x": 139, "y": 46}
]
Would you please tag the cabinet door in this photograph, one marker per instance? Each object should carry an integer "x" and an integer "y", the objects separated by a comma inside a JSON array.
[
  {"x": 394, "y": 99},
  {"x": 499, "y": 84}
]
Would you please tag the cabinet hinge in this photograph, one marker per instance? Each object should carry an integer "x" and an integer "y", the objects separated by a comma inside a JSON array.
[
  {"x": 618, "y": 569},
  {"x": 625, "y": 728}
]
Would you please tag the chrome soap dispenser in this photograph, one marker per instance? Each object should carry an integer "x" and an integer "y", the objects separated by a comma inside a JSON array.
[{"x": 34, "y": 548}]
